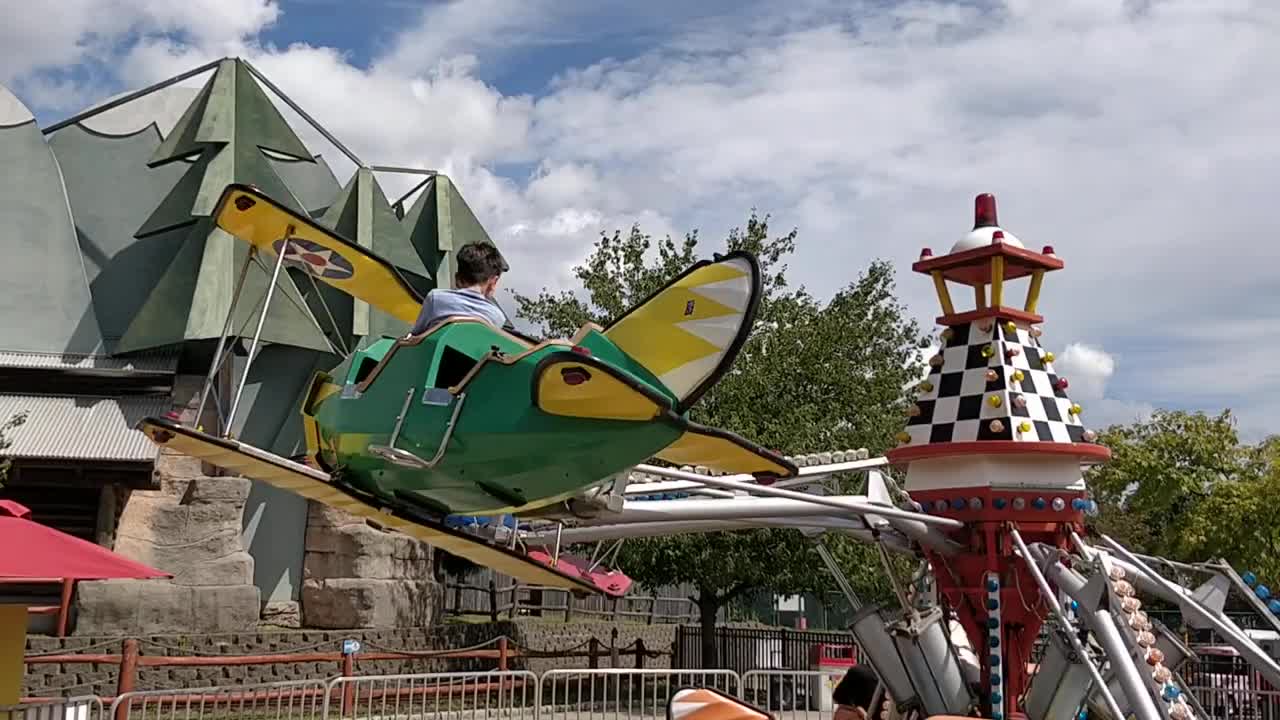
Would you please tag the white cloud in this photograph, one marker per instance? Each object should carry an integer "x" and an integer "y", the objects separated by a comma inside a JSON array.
[
  {"x": 1104, "y": 127},
  {"x": 1088, "y": 368}
]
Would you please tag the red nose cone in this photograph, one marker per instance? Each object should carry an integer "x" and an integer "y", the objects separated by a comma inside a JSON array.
[{"x": 984, "y": 211}]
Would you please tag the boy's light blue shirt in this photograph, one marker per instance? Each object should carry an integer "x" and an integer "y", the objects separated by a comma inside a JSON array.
[{"x": 444, "y": 303}]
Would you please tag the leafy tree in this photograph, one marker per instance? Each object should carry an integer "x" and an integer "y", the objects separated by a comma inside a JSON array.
[
  {"x": 811, "y": 377},
  {"x": 1183, "y": 486}
]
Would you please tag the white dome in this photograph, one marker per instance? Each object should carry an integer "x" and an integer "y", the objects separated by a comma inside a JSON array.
[{"x": 982, "y": 236}]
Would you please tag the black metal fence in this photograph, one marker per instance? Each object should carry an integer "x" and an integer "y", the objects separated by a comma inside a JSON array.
[{"x": 743, "y": 649}]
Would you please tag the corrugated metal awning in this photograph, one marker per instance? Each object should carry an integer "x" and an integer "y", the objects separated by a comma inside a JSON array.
[
  {"x": 81, "y": 428},
  {"x": 161, "y": 361}
]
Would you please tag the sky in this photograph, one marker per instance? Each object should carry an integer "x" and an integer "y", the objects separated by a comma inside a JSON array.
[{"x": 1137, "y": 137}]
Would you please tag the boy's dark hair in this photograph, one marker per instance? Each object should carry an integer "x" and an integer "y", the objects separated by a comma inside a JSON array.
[
  {"x": 477, "y": 262},
  {"x": 856, "y": 688}
]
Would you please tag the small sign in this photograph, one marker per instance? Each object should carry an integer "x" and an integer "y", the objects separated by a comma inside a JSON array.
[{"x": 350, "y": 647}]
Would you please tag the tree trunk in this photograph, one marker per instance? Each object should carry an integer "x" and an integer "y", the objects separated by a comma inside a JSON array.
[{"x": 708, "y": 606}]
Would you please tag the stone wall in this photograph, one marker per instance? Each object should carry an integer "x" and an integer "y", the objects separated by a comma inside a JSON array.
[
  {"x": 356, "y": 576},
  {"x": 44, "y": 680},
  {"x": 190, "y": 527},
  {"x": 546, "y": 635}
]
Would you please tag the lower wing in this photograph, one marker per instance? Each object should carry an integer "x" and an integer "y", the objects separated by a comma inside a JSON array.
[{"x": 313, "y": 484}]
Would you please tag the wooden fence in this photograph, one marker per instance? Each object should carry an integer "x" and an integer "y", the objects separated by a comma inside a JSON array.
[{"x": 494, "y": 598}]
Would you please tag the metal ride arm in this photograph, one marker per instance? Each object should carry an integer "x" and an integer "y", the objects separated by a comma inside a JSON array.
[
  {"x": 851, "y": 506},
  {"x": 1051, "y": 597},
  {"x": 805, "y": 476},
  {"x": 1168, "y": 591},
  {"x": 574, "y": 535}
]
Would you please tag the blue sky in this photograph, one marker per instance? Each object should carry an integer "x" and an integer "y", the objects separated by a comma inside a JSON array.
[{"x": 1105, "y": 127}]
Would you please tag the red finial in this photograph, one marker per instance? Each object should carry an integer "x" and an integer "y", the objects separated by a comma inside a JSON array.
[
  {"x": 997, "y": 237},
  {"x": 984, "y": 211},
  {"x": 925, "y": 252},
  {"x": 1048, "y": 250}
]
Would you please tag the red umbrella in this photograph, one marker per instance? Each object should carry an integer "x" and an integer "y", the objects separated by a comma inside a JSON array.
[
  {"x": 34, "y": 551},
  {"x": 37, "y": 551}
]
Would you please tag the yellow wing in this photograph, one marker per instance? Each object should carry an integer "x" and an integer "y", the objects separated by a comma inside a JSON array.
[
  {"x": 260, "y": 221},
  {"x": 689, "y": 332},
  {"x": 726, "y": 452},
  {"x": 313, "y": 484}
]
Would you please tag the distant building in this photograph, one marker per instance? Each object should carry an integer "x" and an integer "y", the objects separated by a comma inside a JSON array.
[{"x": 117, "y": 288}]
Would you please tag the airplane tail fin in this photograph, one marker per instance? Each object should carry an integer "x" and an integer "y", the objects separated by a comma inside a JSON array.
[{"x": 689, "y": 332}]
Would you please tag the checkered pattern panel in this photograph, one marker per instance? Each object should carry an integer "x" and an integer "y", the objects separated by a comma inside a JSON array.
[{"x": 993, "y": 359}]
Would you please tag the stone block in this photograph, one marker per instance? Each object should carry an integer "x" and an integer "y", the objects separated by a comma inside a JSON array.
[
  {"x": 368, "y": 603},
  {"x": 140, "y": 607},
  {"x": 281, "y": 614}
]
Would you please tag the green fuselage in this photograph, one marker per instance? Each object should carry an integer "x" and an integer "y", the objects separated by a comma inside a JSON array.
[{"x": 504, "y": 454}]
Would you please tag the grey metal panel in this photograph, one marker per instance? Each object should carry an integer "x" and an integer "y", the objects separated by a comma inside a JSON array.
[
  {"x": 81, "y": 428},
  {"x": 112, "y": 193},
  {"x": 46, "y": 304}
]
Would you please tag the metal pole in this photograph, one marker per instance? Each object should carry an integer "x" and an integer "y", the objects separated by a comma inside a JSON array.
[
  {"x": 303, "y": 113},
  {"x": 216, "y": 365},
  {"x": 860, "y": 508},
  {"x": 838, "y": 574},
  {"x": 1052, "y": 598},
  {"x": 1191, "y": 606},
  {"x": 257, "y": 333},
  {"x": 131, "y": 97}
]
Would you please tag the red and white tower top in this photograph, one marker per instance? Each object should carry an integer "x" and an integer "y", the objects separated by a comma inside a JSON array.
[{"x": 992, "y": 390}]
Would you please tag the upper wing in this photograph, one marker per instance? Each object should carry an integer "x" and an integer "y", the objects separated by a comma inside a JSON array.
[
  {"x": 689, "y": 332},
  {"x": 253, "y": 217}
]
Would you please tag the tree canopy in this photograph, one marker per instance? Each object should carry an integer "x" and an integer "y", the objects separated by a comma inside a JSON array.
[
  {"x": 812, "y": 377},
  {"x": 1182, "y": 485}
]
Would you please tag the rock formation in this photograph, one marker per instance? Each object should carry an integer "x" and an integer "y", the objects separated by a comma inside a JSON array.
[{"x": 355, "y": 576}]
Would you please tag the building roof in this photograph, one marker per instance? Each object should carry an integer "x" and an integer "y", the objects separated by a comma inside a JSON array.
[
  {"x": 163, "y": 361},
  {"x": 109, "y": 249},
  {"x": 81, "y": 428}
]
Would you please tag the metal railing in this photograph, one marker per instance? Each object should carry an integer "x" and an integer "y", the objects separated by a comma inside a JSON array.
[
  {"x": 562, "y": 694},
  {"x": 86, "y": 707},
  {"x": 802, "y": 694},
  {"x": 478, "y": 694},
  {"x": 291, "y": 700},
  {"x": 622, "y": 692}
]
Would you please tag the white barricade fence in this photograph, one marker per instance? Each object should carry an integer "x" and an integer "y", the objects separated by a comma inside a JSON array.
[
  {"x": 1224, "y": 701},
  {"x": 799, "y": 693},
  {"x": 291, "y": 700},
  {"x": 461, "y": 695},
  {"x": 87, "y": 707},
  {"x": 622, "y": 693}
]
